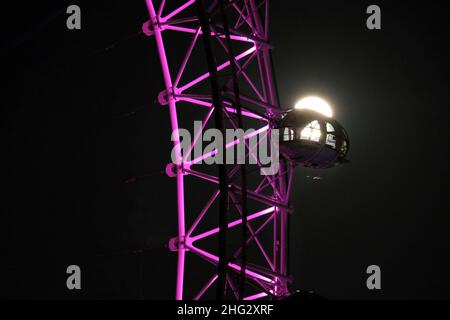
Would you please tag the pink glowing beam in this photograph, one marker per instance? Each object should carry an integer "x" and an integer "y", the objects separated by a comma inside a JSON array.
[
  {"x": 202, "y": 213},
  {"x": 256, "y": 296},
  {"x": 232, "y": 224},
  {"x": 241, "y": 71},
  {"x": 161, "y": 7},
  {"x": 177, "y": 11},
  {"x": 219, "y": 68},
  {"x": 252, "y": 154},
  {"x": 257, "y": 232},
  {"x": 236, "y": 267},
  {"x": 266, "y": 200},
  {"x": 252, "y": 85},
  {"x": 198, "y": 135},
  {"x": 206, "y": 287},
  {"x": 242, "y": 16},
  {"x": 174, "y": 122},
  {"x": 229, "y": 145},
  {"x": 253, "y": 233},
  {"x": 202, "y": 103},
  {"x": 187, "y": 57},
  {"x": 213, "y": 34}
]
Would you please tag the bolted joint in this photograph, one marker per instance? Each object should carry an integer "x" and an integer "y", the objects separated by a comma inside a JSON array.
[
  {"x": 147, "y": 28},
  {"x": 177, "y": 243},
  {"x": 163, "y": 98},
  {"x": 172, "y": 169}
]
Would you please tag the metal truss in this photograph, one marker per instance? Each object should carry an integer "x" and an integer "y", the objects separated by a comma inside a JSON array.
[{"x": 267, "y": 196}]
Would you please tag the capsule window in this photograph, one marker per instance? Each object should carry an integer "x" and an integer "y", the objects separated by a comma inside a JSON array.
[
  {"x": 330, "y": 127},
  {"x": 311, "y": 132},
  {"x": 288, "y": 134},
  {"x": 331, "y": 140}
]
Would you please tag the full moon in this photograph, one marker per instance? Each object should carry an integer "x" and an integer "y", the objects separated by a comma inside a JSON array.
[{"x": 315, "y": 104}]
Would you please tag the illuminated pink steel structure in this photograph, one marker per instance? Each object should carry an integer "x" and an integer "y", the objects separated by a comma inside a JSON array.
[{"x": 250, "y": 29}]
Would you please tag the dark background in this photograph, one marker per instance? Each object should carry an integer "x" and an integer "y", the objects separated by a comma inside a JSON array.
[{"x": 79, "y": 120}]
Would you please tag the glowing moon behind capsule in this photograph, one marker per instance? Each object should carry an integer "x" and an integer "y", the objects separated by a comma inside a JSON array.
[{"x": 315, "y": 104}]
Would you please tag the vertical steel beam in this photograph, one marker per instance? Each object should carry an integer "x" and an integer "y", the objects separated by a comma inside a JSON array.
[{"x": 155, "y": 23}]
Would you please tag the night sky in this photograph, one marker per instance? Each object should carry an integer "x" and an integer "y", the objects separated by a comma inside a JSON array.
[{"x": 84, "y": 143}]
